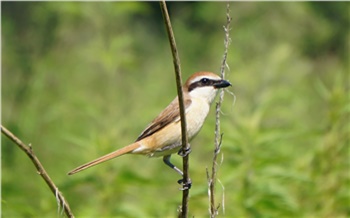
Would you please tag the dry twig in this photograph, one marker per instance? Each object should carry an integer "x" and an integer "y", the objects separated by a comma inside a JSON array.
[
  {"x": 213, "y": 208},
  {"x": 41, "y": 171},
  {"x": 185, "y": 146}
]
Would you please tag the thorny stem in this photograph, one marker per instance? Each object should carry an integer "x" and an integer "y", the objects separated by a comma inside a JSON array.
[
  {"x": 40, "y": 170},
  {"x": 213, "y": 209}
]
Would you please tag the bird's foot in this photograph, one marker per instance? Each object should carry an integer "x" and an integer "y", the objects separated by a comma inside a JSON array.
[
  {"x": 185, "y": 185},
  {"x": 184, "y": 153}
]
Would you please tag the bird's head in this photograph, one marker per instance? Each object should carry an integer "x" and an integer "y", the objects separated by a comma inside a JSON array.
[{"x": 204, "y": 85}]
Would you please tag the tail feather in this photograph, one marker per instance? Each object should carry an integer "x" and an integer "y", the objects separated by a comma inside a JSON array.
[{"x": 106, "y": 157}]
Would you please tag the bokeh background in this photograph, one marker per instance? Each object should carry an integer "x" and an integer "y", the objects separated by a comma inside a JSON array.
[{"x": 82, "y": 79}]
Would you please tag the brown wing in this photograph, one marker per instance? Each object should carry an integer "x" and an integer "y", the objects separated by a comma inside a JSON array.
[{"x": 168, "y": 115}]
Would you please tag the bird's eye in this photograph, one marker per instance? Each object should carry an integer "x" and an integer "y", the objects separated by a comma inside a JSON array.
[{"x": 205, "y": 81}]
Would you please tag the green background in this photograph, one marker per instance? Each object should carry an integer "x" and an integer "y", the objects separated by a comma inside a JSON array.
[{"x": 80, "y": 80}]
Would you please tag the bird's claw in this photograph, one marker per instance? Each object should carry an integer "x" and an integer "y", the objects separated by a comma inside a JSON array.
[
  {"x": 185, "y": 186},
  {"x": 184, "y": 153}
]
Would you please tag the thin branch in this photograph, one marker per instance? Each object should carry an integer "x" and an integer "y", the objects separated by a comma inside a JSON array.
[
  {"x": 185, "y": 145},
  {"x": 213, "y": 209},
  {"x": 41, "y": 171}
]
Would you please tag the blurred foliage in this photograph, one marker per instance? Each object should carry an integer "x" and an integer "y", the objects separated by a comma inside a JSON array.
[{"x": 82, "y": 79}]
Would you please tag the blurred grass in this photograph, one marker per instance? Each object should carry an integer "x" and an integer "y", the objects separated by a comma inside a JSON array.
[{"x": 82, "y": 79}]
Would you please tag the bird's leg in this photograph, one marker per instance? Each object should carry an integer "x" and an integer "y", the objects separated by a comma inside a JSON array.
[
  {"x": 166, "y": 160},
  {"x": 188, "y": 184},
  {"x": 185, "y": 152},
  {"x": 185, "y": 185}
]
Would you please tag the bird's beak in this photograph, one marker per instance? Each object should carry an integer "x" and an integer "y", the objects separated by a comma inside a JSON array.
[{"x": 221, "y": 84}]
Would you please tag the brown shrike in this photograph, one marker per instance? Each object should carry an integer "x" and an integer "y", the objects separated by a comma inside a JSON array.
[{"x": 162, "y": 137}]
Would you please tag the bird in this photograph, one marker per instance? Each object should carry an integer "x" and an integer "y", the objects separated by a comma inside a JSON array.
[{"x": 162, "y": 137}]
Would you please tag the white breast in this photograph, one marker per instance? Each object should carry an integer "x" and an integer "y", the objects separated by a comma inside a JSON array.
[{"x": 195, "y": 116}]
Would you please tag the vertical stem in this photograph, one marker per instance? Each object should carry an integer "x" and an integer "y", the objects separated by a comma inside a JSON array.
[
  {"x": 185, "y": 145},
  {"x": 213, "y": 208}
]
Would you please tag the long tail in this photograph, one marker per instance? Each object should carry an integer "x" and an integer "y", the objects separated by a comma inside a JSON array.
[{"x": 106, "y": 157}]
